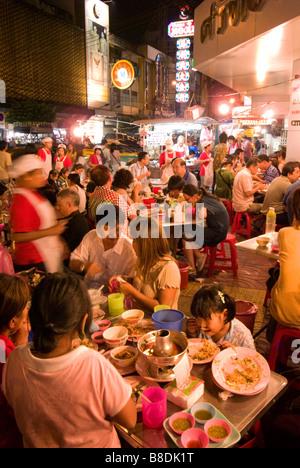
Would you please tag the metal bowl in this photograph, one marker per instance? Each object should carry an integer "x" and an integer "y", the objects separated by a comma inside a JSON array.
[{"x": 177, "y": 338}]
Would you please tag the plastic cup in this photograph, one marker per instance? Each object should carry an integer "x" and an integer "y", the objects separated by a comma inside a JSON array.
[
  {"x": 116, "y": 304},
  {"x": 161, "y": 307},
  {"x": 154, "y": 413}
]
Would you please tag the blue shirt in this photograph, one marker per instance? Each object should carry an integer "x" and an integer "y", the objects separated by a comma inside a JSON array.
[{"x": 270, "y": 174}]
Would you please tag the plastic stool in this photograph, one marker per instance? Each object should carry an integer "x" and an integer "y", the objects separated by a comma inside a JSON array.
[
  {"x": 238, "y": 228},
  {"x": 218, "y": 254},
  {"x": 277, "y": 346},
  {"x": 228, "y": 206}
]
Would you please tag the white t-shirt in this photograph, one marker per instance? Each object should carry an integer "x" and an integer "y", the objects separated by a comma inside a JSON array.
[
  {"x": 242, "y": 183},
  {"x": 120, "y": 260},
  {"x": 137, "y": 170},
  {"x": 64, "y": 402}
]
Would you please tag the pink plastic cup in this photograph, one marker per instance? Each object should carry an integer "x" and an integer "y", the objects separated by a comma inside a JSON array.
[{"x": 154, "y": 413}]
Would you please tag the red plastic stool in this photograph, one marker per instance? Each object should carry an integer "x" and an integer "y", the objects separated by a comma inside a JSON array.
[
  {"x": 280, "y": 347},
  {"x": 238, "y": 228},
  {"x": 228, "y": 206},
  {"x": 218, "y": 254}
]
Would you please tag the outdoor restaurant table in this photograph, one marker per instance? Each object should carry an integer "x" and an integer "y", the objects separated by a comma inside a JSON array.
[
  {"x": 242, "y": 411},
  {"x": 251, "y": 245}
]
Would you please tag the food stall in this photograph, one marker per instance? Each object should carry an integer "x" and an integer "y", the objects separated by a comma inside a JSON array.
[{"x": 155, "y": 132}]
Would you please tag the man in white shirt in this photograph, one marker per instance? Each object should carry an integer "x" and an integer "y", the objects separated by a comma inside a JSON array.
[
  {"x": 103, "y": 252},
  {"x": 244, "y": 189},
  {"x": 46, "y": 155},
  {"x": 140, "y": 170}
]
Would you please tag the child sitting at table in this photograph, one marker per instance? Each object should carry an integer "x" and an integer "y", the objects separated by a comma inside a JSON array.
[
  {"x": 214, "y": 317},
  {"x": 61, "y": 396},
  {"x": 14, "y": 330}
]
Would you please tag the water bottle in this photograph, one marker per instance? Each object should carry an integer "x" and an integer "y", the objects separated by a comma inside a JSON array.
[{"x": 271, "y": 223}]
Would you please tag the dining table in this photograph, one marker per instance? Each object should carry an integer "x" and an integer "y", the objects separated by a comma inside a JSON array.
[
  {"x": 251, "y": 246},
  {"x": 241, "y": 411}
]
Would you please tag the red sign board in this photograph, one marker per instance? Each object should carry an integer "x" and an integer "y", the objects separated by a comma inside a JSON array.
[
  {"x": 122, "y": 74},
  {"x": 181, "y": 28}
]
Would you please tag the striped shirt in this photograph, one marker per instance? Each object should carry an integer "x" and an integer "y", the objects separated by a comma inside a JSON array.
[{"x": 270, "y": 174}]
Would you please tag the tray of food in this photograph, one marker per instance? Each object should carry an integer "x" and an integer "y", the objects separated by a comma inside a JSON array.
[{"x": 230, "y": 438}]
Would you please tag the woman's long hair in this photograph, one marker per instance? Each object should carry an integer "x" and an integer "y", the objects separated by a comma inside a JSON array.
[{"x": 151, "y": 245}]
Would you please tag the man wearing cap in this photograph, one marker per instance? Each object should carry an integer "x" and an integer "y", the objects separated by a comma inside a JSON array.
[
  {"x": 61, "y": 159},
  {"x": 96, "y": 158},
  {"x": 46, "y": 155},
  {"x": 33, "y": 219}
]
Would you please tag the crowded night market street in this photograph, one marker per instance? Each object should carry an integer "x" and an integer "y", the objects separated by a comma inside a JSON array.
[{"x": 150, "y": 226}]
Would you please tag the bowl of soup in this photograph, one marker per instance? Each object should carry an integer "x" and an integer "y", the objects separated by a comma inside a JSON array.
[
  {"x": 133, "y": 316},
  {"x": 217, "y": 429},
  {"x": 203, "y": 412},
  {"x": 194, "y": 438},
  {"x": 181, "y": 421},
  {"x": 124, "y": 356}
]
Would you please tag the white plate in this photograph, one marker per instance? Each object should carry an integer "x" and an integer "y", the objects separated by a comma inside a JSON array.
[
  {"x": 227, "y": 361},
  {"x": 196, "y": 344}
]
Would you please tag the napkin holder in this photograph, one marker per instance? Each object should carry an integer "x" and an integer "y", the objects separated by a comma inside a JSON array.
[
  {"x": 187, "y": 395},
  {"x": 185, "y": 389}
]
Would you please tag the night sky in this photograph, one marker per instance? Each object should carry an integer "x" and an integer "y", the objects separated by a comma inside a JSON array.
[{"x": 130, "y": 18}]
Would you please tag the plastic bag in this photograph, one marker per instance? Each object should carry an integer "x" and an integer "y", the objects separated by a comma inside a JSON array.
[{"x": 6, "y": 263}]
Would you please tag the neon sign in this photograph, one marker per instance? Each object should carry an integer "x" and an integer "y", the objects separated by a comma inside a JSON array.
[{"x": 181, "y": 28}]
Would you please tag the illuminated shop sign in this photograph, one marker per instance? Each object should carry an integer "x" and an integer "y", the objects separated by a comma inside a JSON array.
[
  {"x": 122, "y": 74},
  {"x": 181, "y": 28},
  {"x": 182, "y": 76},
  {"x": 231, "y": 14}
]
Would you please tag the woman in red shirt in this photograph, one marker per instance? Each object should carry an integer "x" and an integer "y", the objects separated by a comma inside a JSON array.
[
  {"x": 14, "y": 297},
  {"x": 204, "y": 160},
  {"x": 96, "y": 158},
  {"x": 62, "y": 160}
]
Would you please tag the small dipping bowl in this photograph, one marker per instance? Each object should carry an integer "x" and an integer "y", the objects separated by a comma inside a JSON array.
[
  {"x": 97, "y": 337},
  {"x": 133, "y": 316},
  {"x": 103, "y": 324},
  {"x": 194, "y": 438},
  {"x": 217, "y": 422},
  {"x": 205, "y": 407},
  {"x": 124, "y": 362},
  {"x": 181, "y": 415},
  {"x": 262, "y": 241}
]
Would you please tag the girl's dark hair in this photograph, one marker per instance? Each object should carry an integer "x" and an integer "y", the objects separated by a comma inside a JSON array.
[
  {"x": 75, "y": 178},
  {"x": 14, "y": 295},
  {"x": 53, "y": 173},
  {"x": 122, "y": 179},
  {"x": 59, "y": 304},
  {"x": 191, "y": 190},
  {"x": 212, "y": 298},
  {"x": 64, "y": 171},
  {"x": 3, "y": 189},
  {"x": 90, "y": 188}
]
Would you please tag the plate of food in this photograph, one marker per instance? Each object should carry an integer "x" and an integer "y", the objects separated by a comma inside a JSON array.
[
  {"x": 85, "y": 342},
  {"x": 242, "y": 371},
  {"x": 202, "y": 351},
  {"x": 135, "y": 332}
]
